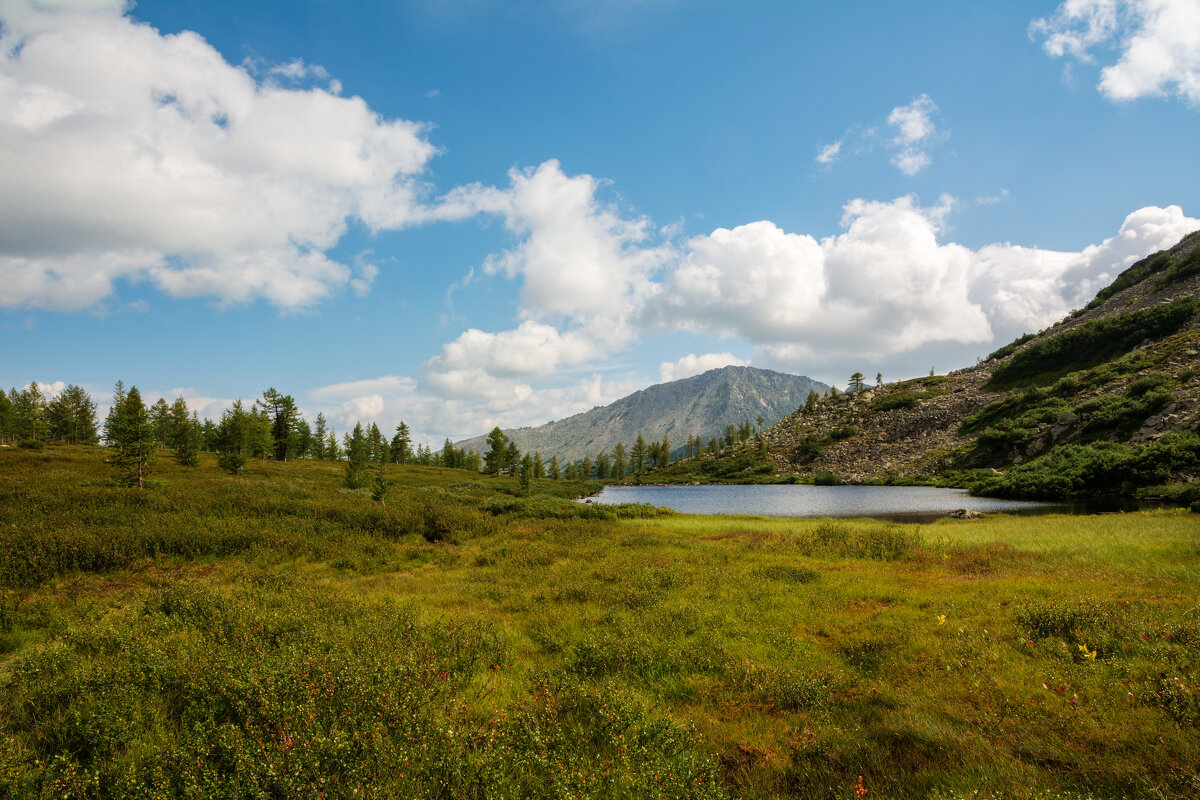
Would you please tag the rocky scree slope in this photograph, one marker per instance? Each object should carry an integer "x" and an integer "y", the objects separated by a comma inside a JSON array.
[{"x": 1126, "y": 368}]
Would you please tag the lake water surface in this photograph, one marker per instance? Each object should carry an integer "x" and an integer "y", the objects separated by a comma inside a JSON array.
[{"x": 901, "y": 503}]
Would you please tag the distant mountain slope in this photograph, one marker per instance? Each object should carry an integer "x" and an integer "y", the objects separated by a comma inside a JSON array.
[
  {"x": 1124, "y": 369},
  {"x": 702, "y": 406}
]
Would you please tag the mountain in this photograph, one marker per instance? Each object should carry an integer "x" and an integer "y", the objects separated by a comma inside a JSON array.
[
  {"x": 702, "y": 406},
  {"x": 1089, "y": 402}
]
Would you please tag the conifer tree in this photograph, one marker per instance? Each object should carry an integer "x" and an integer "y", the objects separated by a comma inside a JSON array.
[
  {"x": 185, "y": 433},
  {"x": 380, "y": 486},
  {"x": 160, "y": 420},
  {"x": 856, "y": 381},
  {"x": 262, "y": 444},
  {"x": 664, "y": 449},
  {"x": 233, "y": 438},
  {"x": 619, "y": 466},
  {"x": 526, "y": 472},
  {"x": 6, "y": 417},
  {"x": 555, "y": 472},
  {"x": 512, "y": 458},
  {"x": 602, "y": 466},
  {"x": 357, "y": 456},
  {"x": 320, "y": 434},
  {"x": 133, "y": 439},
  {"x": 72, "y": 416},
  {"x": 585, "y": 469},
  {"x": 29, "y": 414},
  {"x": 637, "y": 457},
  {"x": 539, "y": 468},
  {"x": 281, "y": 409},
  {"x": 401, "y": 444},
  {"x": 493, "y": 459}
]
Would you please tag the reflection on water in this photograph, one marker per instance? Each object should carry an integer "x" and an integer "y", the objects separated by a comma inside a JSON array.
[{"x": 900, "y": 503}]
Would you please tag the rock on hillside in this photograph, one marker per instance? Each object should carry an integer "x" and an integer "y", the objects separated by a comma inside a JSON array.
[
  {"x": 1125, "y": 368},
  {"x": 702, "y": 405}
]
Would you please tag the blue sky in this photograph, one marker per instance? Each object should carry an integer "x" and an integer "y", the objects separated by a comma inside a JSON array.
[{"x": 464, "y": 214}]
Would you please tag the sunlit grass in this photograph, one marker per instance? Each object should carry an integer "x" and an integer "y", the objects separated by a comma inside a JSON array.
[{"x": 675, "y": 656}]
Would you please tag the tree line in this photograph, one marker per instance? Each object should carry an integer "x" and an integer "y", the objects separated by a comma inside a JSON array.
[{"x": 273, "y": 428}]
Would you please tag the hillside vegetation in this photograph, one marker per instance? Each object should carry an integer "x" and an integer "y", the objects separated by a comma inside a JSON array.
[
  {"x": 1106, "y": 401},
  {"x": 277, "y": 635}
]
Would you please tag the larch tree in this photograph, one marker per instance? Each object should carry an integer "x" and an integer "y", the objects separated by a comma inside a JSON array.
[
  {"x": 357, "y": 457},
  {"x": 233, "y": 438},
  {"x": 637, "y": 457},
  {"x": 401, "y": 444},
  {"x": 319, "y": 434},
  {"x": 72, "y": 417},
  {"x": 160, "y": 420},
  {"x": 283, "y": 413},
  {"x": 493, "y": 459},
  {"x": 620, "y": 465},
  {"x": 133, "y": 439}
]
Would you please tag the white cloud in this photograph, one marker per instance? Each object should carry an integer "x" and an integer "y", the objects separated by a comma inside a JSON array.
[
  {"x": 883, "y": 286},
  {"x": 993, "y": 199},
  {"x": 577, "y": 256},
  {"x": 1158, "y": 42},
  {"x": 129, "y": 155},
  {"x": 915, "y": 129},
  {"x": 493, "y": 365},
  {"x": 693, "y": 364},
  {"x": 1027, "y": 288},
  {"x": 829, "y": 153},
  {"x": 584, "y": 270}
]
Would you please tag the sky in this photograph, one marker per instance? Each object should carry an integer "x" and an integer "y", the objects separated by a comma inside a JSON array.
[{"x": 469, "y": 213}]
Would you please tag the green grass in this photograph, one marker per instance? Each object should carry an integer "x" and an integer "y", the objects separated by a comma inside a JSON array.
[{"x": 330, "y": 648}]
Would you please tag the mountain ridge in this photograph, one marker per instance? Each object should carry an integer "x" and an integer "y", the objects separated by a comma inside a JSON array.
[{"x": 701, "y": 405}]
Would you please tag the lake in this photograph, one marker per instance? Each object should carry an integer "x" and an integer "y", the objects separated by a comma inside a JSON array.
[{"x": 899, "y": 503}]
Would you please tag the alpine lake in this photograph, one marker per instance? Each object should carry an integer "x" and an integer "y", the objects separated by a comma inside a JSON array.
[{"x": 915, "y": 504}]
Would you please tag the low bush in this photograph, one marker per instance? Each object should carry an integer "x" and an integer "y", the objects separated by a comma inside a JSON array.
[
  {"x": 1073, "y": 470},
  {"x": 1090, "y": 344}
]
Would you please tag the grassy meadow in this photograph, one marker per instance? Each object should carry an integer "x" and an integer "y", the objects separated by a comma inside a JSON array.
[{"x": 276, "y": 635}]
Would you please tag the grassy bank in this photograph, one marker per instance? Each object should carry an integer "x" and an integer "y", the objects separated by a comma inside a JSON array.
[{"x": 277, "y": 636}]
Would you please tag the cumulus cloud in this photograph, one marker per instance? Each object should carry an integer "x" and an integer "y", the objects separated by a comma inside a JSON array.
[
  {"x": 1158, "y": 42},
  {"x": 829, "y": 153},
  {"x": 577, "y": 256},
  {"x": 1027, "y": 288},
  {"x": 583, "y": 267},
  {"x": 693, "y": 364},
  {"x": 128, "y": 155},
  {"x": 887, "y": 284},
  {"x": 884, "y": 285},
  {"x": 915, "y": 130}
]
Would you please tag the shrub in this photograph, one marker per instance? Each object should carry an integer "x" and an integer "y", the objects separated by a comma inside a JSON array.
[
  {"x": 894, "y": 400},
  {"x": 1090, "y": 344},
  {"x": 1073, "y": 470},
  {"x": 1011, "y": 347}
]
